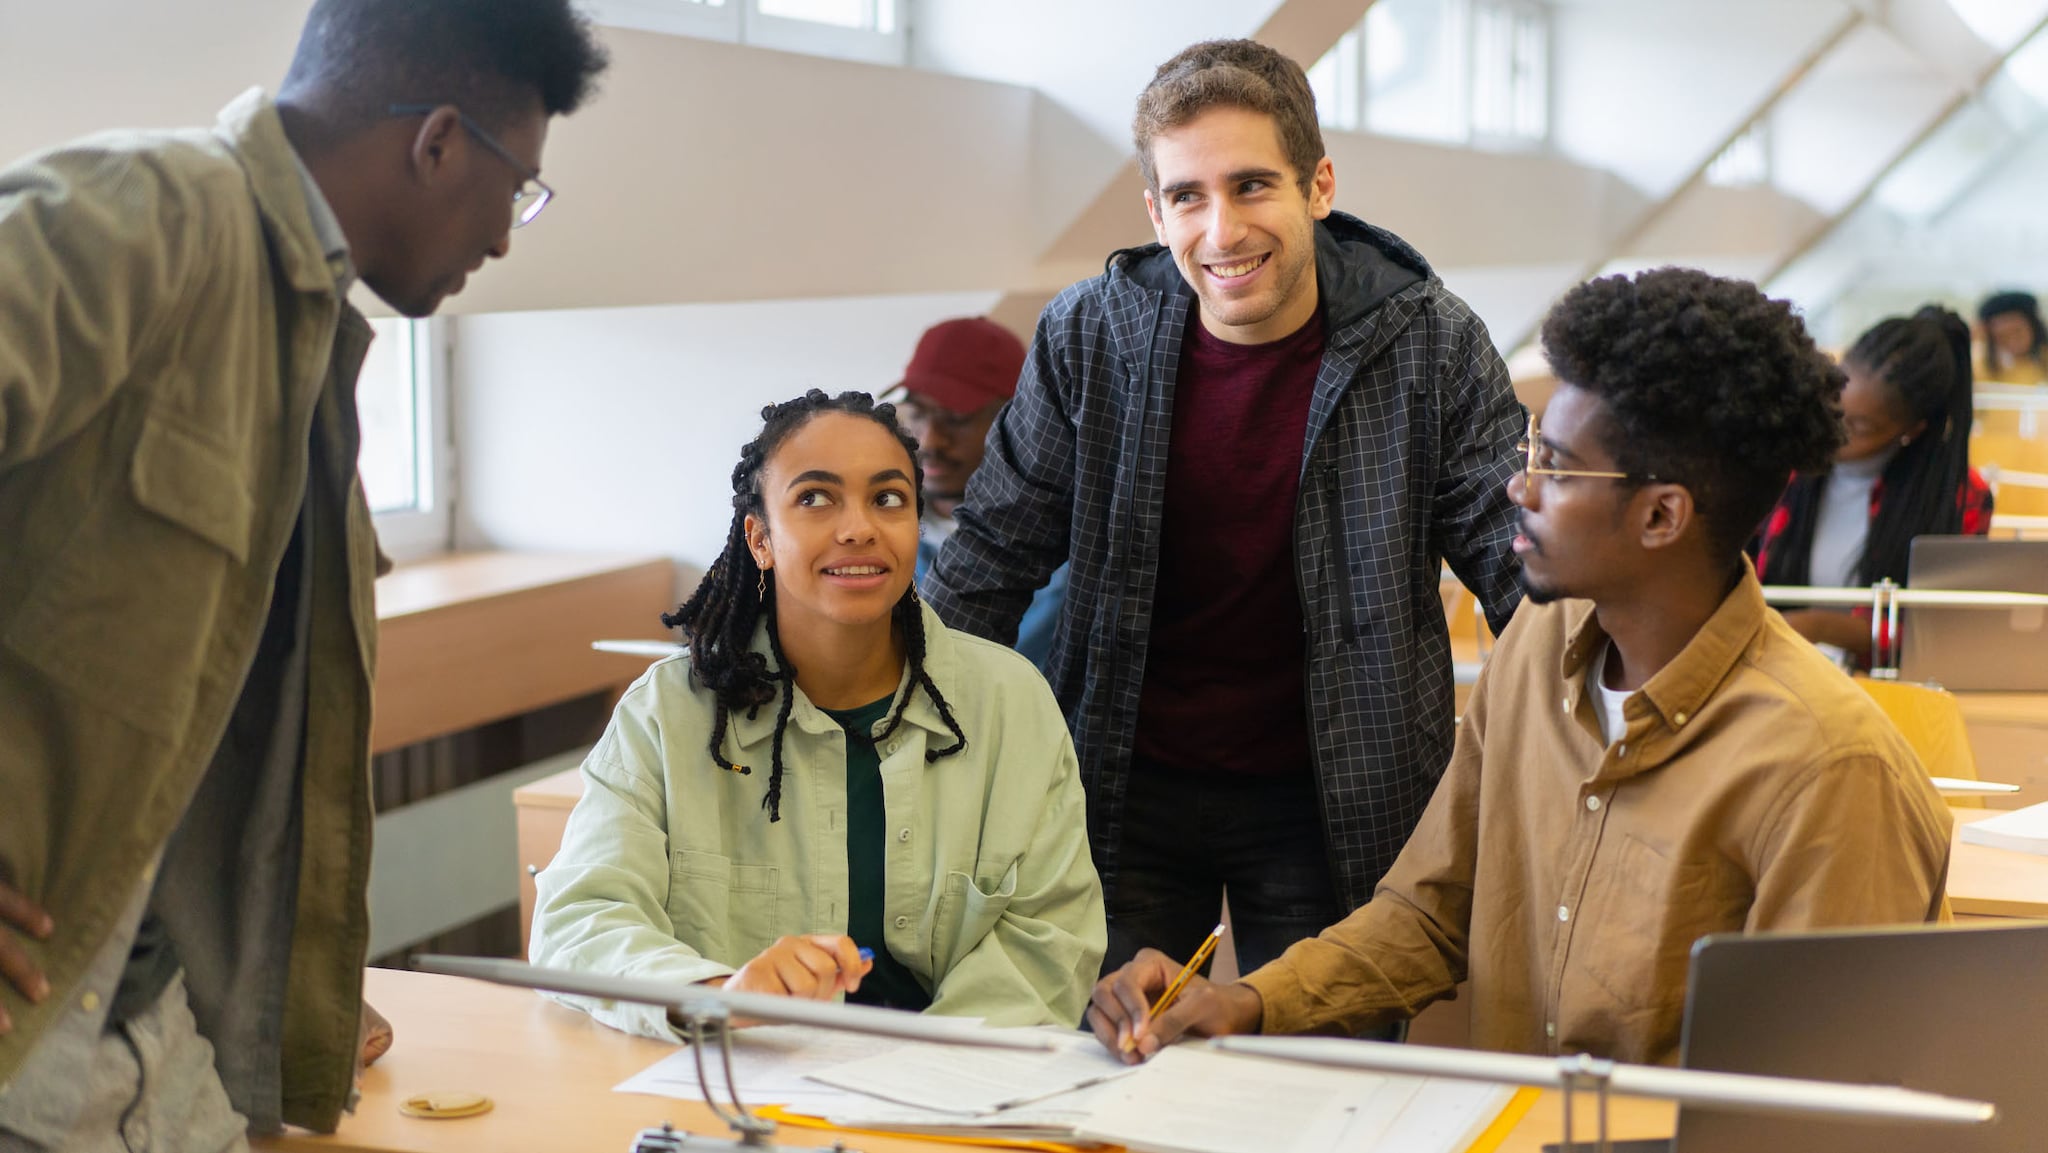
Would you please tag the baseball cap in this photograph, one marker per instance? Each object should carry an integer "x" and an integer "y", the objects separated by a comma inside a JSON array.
[{"x": 964, "y": 365}]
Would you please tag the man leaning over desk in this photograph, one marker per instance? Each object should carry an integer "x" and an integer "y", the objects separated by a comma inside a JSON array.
[
  {"x": 1651, "y": 754},
  {"x": 187, "y": 623}
]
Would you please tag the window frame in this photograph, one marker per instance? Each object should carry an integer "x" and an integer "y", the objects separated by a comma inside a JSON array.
[
  {"x": 1356, "y": 115},
  {"x": 743, "y": 22},
  {"x": 707, "y": 21},
  {"x": 428, "y": 528}
]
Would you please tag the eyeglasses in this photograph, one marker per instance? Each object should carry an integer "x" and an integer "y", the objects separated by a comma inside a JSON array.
[
  {"x": 531, "y": 197},
  {"x": 1532, "y": 445}
]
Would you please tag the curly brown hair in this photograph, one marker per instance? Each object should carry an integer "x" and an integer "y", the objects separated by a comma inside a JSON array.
[
  {"x": 1230, "y": 74},
  {"x": 1708, "y": 383}
]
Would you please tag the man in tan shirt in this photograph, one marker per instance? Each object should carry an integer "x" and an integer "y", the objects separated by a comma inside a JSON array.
[{"x": 1651, "y": 754}]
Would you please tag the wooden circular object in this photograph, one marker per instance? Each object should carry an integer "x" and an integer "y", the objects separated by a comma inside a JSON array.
[{"x": 445, "y": 1106}]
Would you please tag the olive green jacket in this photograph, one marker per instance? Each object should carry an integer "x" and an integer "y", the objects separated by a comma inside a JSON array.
[{"x": 169, "y": 326}]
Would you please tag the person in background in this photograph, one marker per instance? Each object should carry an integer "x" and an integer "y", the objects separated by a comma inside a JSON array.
[
  {"x": 1708, "y": 770},
  {"x": 188, "y": 559},
  {"x": 961, "y": 375},
  {"x": 1903, "y": 471},
  {"x": 2015, "y": 339},
  {"x": 1257, "y": 442},
  {"x": 830, "y": 771}
]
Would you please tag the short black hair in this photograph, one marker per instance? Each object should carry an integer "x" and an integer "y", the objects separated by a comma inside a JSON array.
[
  {"x": 1708, "y": 383},
  {"x": 490, "y": 58}
]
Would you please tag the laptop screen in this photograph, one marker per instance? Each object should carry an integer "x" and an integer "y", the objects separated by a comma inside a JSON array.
[
  {"x": 1958, "y": 1011},
  {"x": 1977, "y": 649}
]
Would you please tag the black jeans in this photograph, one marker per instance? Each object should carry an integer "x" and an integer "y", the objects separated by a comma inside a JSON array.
[{"x": 1189, "y": 835}]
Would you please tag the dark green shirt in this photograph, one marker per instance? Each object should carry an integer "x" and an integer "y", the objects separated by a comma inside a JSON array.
[{"x": 888, "y": 983}]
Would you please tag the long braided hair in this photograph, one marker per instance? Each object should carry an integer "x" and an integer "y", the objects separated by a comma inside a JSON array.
[
  {"x": 737, "y": 595},
  {"x": 1924, "y": 360}
]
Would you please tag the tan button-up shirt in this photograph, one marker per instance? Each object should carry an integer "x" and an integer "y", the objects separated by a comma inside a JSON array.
[{"x": 1755, "y": 787}]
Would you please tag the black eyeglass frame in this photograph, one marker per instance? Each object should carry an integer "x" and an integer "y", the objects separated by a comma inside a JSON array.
[{"x": 526, "y": 203}]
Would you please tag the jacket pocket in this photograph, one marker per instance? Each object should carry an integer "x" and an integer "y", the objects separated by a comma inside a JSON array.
[
  {"x": 190, "y": 483},
  {"x": 967, "y": 909},
  {"x": 726, "y": 912},
  {"x": 128, "y": 613}
]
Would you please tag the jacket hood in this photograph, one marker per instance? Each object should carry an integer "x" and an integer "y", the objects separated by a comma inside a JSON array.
[{"x": 1358, "y": 267}]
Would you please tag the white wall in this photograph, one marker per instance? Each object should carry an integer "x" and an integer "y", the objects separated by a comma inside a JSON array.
[{"x": 617, "y": 429}]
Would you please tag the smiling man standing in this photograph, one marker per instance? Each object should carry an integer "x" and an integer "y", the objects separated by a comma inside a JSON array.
[
  {"x": 187, "y": 623},
  {"x": 1256, "y": 442}
]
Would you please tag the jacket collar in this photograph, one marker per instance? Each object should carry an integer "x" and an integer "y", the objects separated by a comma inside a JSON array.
[
  {"x": 252, "y": 130},
  {"x": 941, "y": 662},
  {"x": 1682, "y": 688}
]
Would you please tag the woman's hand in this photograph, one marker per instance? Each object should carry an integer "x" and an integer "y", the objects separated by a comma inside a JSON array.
[{"x": 815, "y": 967}]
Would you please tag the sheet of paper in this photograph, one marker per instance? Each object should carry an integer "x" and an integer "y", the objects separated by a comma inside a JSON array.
[
  {"x": 770, "y": 1062},
  {"x": 1056, "y": 1118},
  {"x": 955, "y": 1079},
  {"x": 1194, "y": 1100}
]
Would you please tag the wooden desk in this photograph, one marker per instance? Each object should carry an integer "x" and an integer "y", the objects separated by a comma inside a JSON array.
[
  {"x": 2009, "y": 739},
  {"x": 550, "y": 1071},
  {"x": 472, "y": 638},
  {"x": 1988, "y": 882},
  {"x": 542, "y": 812}
]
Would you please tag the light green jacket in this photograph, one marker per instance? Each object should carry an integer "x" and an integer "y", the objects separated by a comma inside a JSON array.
[
  {"x": 168, "y": 327},
  {"x": 670, "y": 868}
]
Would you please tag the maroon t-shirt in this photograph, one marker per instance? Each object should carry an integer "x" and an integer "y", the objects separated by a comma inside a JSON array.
[{"x": 1224, "y": 684}]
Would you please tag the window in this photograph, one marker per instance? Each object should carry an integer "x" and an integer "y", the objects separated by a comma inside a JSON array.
[
  {"x": 1338, "y": 80},
  {"x": 1510, "y": 72},
  {"x": 1453, "y": 71},
  {"x": 1746, "y": 162},
  {"x": 401, "y": 403},
  {"x": 868, "y": 30}
]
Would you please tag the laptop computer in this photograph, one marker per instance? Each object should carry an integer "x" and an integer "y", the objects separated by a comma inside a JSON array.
[
  {"x": 1959, "y": 1011},
  {"x": 1996, "y": 650}
]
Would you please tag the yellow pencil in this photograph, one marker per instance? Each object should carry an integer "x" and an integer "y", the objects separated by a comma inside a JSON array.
[{"x": 1187, "y": 973}]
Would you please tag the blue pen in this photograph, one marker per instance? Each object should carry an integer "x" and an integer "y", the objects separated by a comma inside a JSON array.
[{"x": 867, "y": 954}]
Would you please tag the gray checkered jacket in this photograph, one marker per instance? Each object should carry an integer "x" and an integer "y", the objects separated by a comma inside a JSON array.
[{"x": 1410, "y": 443}]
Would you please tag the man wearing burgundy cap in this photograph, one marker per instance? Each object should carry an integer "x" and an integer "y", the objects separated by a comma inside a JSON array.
[{"x": 961, "y": 375}]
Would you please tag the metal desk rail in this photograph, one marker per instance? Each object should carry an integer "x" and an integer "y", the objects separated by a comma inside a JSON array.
[{"x": 1885, "y": 599}]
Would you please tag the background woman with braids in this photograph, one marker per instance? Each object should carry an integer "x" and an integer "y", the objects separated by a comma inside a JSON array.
[
  {"x": 1904, "y": 471},
  {"x": 829, "y": 769}
]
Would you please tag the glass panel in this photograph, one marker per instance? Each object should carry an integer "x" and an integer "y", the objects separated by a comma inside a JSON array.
[
  {"x": 1415, "y": 54},
  {"x": 1510, "y": 62},
  {"x": 1746, "y": 162},
  {"x": 1334, "y": 79},
  {"x": 843, "y": 13},
  {"x": 388, "y": 405}
]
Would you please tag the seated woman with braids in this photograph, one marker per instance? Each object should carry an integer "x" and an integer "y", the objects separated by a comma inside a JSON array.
[
  {"x": 830, "y": 770},
  {"x": 1904, "y": 471}
]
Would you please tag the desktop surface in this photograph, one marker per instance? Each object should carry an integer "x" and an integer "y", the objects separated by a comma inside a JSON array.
[{"x": 549, "y": 1071}]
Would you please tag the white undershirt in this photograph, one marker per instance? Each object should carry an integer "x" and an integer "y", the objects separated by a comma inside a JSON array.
[{"x": 1607, "y": 702}]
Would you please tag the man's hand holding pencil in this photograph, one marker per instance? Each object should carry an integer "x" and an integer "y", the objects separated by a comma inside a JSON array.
[{"x": 1152, "y": 1002}]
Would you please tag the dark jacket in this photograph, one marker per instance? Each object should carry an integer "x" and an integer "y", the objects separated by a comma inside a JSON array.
[{"x": 1410, "y": 444}]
